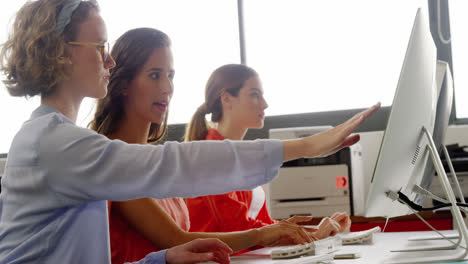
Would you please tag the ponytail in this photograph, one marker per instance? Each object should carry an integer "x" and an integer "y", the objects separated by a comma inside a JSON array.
[
  {"x": 227, "y": 78},
  {"x": 197, "y": 128}
]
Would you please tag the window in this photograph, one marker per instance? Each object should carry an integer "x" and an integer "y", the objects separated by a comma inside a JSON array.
[
  {"x": 327, "y": 55},
  {"x": 13, "y": 110},
  {"x": 458, "y": 22},
  {"x": 204, "y": 36}
]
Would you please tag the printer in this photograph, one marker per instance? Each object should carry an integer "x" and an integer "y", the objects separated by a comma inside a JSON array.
[
  {"x": 459, "y": 159},
  {"x": 317, "y": 186}
]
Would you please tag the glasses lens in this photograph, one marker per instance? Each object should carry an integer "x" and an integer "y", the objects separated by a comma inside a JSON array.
[{"x": 105, "y": 50}]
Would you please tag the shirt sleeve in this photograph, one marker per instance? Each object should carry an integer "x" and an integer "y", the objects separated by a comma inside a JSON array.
[
  {"x": 153, "y": 258},
  {"x": 230, "y": 213},
  {"x": 82, "y": 165}
]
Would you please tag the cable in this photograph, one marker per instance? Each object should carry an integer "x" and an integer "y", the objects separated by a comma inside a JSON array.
[
  {"x": 417, "y": 189},
  {"x": 429, "y": 225},
  {"x": 386, "y": 222},
  {"x": 417, "y": 207},
  {"x": 441, "y": 37}
]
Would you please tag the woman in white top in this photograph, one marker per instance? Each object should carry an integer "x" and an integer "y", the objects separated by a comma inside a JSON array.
[{"x": 58, "y": 175}]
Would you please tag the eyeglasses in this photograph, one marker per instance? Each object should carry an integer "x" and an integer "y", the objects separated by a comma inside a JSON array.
[{"x": 104, "y": 47}]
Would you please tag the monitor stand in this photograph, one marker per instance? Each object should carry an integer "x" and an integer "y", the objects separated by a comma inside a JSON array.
[
  {"x": 459, "y": 222},
  {"x": 460, "y": 196}
]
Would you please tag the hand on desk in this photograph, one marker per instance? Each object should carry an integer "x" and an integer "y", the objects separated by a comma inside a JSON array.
[
  {"x": 199, "y": 250},
  {"x": 284, "y": 233},
  {"x": 293, "y": 231},
  {"x": 341, "y": 218},
  {"x": 329, "y": 226}
]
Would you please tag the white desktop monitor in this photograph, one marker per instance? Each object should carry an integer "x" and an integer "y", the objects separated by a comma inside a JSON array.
[
  {"x": 403, "y": 154},
  {"x": 444, "y": 108}
]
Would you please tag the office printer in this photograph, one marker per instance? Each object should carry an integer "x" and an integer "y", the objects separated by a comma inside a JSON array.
[
  {"x": 317, "y": 186},
  {"x": 459, "y": 159}
]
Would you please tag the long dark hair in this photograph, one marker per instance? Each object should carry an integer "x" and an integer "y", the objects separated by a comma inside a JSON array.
[
  {"x": 228, "y": 78},
  {"x": 131, "y": 51}
]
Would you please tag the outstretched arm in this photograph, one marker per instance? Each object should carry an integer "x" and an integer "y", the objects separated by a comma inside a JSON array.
[{"x": 328, "y": 142}]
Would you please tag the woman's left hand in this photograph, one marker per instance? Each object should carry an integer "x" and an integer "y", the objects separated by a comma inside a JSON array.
[{"x": 199, "y": 250}]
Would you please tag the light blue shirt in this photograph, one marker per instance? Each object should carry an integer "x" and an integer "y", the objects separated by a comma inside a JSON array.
[{"x": 58, "y": 177}]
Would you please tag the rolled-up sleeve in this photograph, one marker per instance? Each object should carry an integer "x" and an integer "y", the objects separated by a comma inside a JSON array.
[{"x": 153, "y": 258}]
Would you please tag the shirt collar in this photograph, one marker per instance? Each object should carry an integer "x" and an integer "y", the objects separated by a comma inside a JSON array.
[{"x": 45, "y": 109}]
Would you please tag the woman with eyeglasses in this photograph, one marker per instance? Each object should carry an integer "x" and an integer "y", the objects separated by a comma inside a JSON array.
[{"x": 58, "y": 176}]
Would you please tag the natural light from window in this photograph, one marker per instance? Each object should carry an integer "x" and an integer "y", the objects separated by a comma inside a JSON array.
[
  {"x": 315, "y": 56},
  {"x": 458, "y": 21},
  {"x": 312, "y": 56},
  {"x": 204, "y": 35}
]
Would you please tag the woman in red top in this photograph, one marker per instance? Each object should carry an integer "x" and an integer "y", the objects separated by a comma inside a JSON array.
[
  {"x": 234, "y": 98},
  {"x": 135, "y": 110}
]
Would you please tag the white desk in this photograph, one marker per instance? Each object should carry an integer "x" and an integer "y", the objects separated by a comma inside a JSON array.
[{"x": 377, "y": 252}]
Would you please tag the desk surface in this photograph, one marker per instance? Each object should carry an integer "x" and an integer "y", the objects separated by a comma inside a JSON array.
[{"x": 376, "y": 252}]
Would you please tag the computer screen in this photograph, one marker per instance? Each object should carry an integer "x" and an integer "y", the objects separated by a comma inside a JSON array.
[{"x": 403, "y": 153}]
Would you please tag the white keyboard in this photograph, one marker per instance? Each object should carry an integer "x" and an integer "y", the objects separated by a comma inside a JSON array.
[
  {"x": 358, "y": 237},
  {"x": 319, "y": 247}
]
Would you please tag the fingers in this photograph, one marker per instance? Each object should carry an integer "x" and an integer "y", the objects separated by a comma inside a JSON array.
[
  {"x": 285, "y": 233},
  {"x": 339, "y": 216},
  {"x": 198, "y": 257},
  {"x": 366, "y": 113},
  {"x": 300, "y": 220},
  {"x": 343, "y": 219},
  {"x": 279, "y": 242},
  {"x": 350, "y": 125},
  {"x": 314, "y": 236},
  {"x": 297, "y": 233},
  {"x": 305, "y": 236},
  {"x": 208, "y": 244},
  {"x": 310, "y": 228},
  {"x": 199, "y": 250},
  {"x": 351, "y": 140},
  {"x": 342, "y": 132},
  {"x": 327, "y": 227},
  {"x": 221, "y": 257},
  {"x": 335, "y": 228}
]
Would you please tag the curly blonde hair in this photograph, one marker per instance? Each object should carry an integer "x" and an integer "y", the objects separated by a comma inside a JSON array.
[{"x": 33, "y": 58}]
